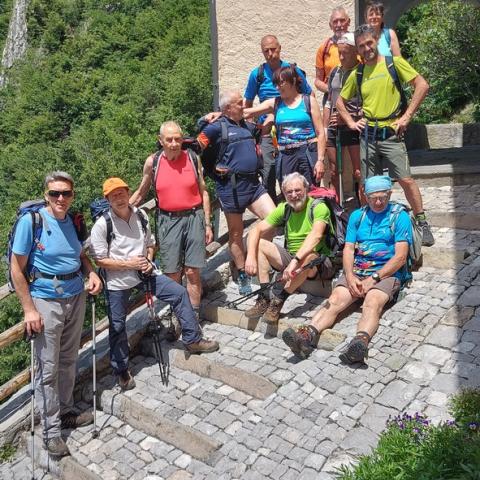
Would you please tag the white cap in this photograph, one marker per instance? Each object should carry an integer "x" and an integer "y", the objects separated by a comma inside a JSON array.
[{"x": 347, "y": 39}]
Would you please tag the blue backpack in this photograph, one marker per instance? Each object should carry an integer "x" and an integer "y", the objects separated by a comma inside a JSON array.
[{"x": 32, "y": 208}]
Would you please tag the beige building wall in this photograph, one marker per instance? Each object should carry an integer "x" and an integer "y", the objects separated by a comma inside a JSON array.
[{"x": 300, "y": 25}]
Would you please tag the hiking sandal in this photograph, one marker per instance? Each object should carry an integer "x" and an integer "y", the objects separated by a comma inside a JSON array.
[{"x": 357, "y": 350}]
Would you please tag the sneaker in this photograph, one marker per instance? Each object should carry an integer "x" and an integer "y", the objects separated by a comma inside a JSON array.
[
  {"x": 57, "y": 447},
  {"x": 258, "y": 309},
  {"x": 272, "y": 314},
  {"x": 357, "y": 350},
  {"x": 203, "y": 346},
  {"x": 244, "y": 283},
  {"x": 301, "y": 340},
  {"x": 427, "y": 236},
  {"x": 126, "y": 381},
  {"x": 73, "y": 420}
]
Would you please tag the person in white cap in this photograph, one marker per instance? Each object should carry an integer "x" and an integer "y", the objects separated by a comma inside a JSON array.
[{"x": 337, "y": 127}]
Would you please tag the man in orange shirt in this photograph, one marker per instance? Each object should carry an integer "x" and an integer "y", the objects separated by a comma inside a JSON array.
[{"x": 327, "y": 54}]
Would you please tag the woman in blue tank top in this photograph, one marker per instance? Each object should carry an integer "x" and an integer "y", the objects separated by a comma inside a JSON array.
[
  {"x": 299, "y": 131},
  {"x": 387, "y": 38}
]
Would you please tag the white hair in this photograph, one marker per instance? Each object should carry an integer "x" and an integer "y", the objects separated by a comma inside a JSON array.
[
  {"x": 169, "y": 124},
  {"x": 294, "y": 176},
  {"x": 226, "y": 98}
]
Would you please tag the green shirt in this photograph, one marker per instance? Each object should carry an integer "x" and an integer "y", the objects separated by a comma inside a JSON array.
[
  {"x": 380, "y": 96},
  {"x": 299, "y": 226}
]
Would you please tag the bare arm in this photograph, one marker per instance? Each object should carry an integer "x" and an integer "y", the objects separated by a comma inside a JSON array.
[
  {"x": 319, "y": 169},
  {"x": 319, "y": 83},
  {"x": 421, "y": 88},
  {"x": 394, "y": 44},
  {"x": 354, "y": 283},
  {"x": 264, "y": 107},
  {"x": 139, "y": 195},
  {"x": 33, "y": 320},
  {"x": 94, "y": 283}
]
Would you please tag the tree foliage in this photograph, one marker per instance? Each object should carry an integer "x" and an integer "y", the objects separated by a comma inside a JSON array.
[
  {"x": 441, "y": 38},
  {"x": 98, "y": 79}
]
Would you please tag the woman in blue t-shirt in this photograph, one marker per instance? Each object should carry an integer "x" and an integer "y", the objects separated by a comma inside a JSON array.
[
  {"x": 300, "y": 136},
  {"x": 387, "y": 38}
]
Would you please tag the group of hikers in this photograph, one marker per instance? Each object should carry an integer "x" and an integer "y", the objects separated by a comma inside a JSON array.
[{"x": 293, "y": 141}]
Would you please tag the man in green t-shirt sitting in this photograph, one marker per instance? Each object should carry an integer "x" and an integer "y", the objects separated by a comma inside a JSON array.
[
  {"x": 386, "y": 117},
  {"x": 304, "y": 242}
]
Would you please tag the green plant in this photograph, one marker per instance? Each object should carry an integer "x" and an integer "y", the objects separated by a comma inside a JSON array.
[
  {"x": 7, "y": 452},
  {"x": 465, "y": 407},
  {"x": 411, "y": 448}
]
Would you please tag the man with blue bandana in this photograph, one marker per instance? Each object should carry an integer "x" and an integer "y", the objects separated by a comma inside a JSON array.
[{"x": 374, "y": 269}]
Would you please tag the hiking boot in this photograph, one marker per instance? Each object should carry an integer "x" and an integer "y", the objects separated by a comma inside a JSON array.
[
  {"x": 244, "y": 283},
  {"x": 357, "y": 350},
  {"x": 427, "y": 236},
  {"x": 126, "y": 381},
  {"x": 57, "y": 447},
  {"x": 203, "y": 346},
  {"x": 73, "y": 420},
  {"x": 272, "y": 314},
  {"x": 301, "y": 340},
  {"x": 258, "y": 309}
]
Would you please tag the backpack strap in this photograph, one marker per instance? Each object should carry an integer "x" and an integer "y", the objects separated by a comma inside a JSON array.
[
  {"x": 108, "y": 221},
  {"x": 194, "y": 160},
  {"x": 326, "y": 49},
  {"x": 360, "y": 69},
  {"x": 286, "y": 215},
  {"x": 155, "y": 165},
  {"x": 362, "y": 216},
  {"x": 308, "y": 105},
  {"x": 276, "y": 106},
  {"x": 143, "y": 220},
  {"x": 223, "y": 138},
  {"x": 398, "y": 85},
  {"x": 330, "y": 79},
  {"x": 260, "y": 76}
]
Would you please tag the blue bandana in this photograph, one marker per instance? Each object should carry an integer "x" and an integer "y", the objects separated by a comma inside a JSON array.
[{"x": 378, "y": 183}]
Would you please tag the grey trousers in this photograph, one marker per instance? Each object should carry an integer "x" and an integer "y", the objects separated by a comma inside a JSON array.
[{"x": 56, "y": 349}]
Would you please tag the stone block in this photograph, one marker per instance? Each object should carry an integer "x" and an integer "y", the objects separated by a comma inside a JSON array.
[
  {"x": 458, "y": 316},
  {"x": 444, "y": 336},
  {"x": 432, "y": 354},
  {"x": 471, "y": 297},
  {"x": 330, "y": 339},
  {"x": 398, "y": 394},
  {"x": 359, "y": 441}
]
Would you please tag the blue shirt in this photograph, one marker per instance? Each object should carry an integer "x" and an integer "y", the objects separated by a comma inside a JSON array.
[
  {"x": 267, "y": 88},
  {"x": 383, "y": 45},
  {"x": 293, "y": 124},
  {"x": 58, "y": 253},
  {"x": 241, "y": 153},
  {"x": 374, "y": 240}
]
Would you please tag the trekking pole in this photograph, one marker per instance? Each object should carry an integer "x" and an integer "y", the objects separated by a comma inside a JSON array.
[
  {"x": 155, "y": 329},
  {"x": 95, "y": 432},
  {"x": 311, "y": 264},
  {"x": 31, "y": 339},
  {"x": 338, "y": 151}
]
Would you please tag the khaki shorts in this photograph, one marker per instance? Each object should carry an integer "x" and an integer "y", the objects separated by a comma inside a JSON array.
[
  {"x": 388, "y": 154},
  {"x": 389, "y": 285},
  {"x": 326, "y": 270},
  {"x": 181, "y": 241}
]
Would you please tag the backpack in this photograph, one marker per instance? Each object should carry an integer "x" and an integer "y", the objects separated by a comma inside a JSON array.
[
  {"x": 192, "y": 156},
  {"x": 415, "y": 248},
  {"x": 32, "y": 208},
  {"x": 212, "y": 155},
  {"x": 101, "y": 208},
  {"x": 335, "y": 240},
  {"x": 402, "y": 107}
]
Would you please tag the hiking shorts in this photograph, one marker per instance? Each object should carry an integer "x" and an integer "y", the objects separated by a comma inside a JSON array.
[
  {"x": 249, "y": 189},
  {"x": 181, "y": 241},
  {"x": 347, "y": 137},
  {"x": 389, "y": 285},
  {"x": 301, "y": 160},
  {"x": 325, "y": 270},
  {"x": 377, "y": 155}
]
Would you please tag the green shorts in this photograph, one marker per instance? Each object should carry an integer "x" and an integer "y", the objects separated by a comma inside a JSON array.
[
  {"x": 181, "y": 241},
  {"x": 386, "y": 154}
]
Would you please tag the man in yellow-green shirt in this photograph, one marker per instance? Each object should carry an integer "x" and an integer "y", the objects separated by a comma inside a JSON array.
[
  {"x": 385, "y": 121},
  {"x": 305, "y": 230}
]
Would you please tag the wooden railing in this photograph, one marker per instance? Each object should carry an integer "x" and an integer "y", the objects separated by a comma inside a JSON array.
[{"x": 15, "y": 333}]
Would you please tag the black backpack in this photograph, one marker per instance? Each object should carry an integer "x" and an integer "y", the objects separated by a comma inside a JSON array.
[
  {"x": 403, "y": 105},
  {"x": 212, "y": 155},
  {"x": 32, "y": 208}
]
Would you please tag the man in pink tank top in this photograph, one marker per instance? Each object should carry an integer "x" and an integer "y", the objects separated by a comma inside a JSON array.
[{"x": 183, "y": 209}]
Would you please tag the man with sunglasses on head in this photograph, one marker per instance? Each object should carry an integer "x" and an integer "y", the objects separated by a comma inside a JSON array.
[
  {"x": 374, "y": 269},
  {"x": 48, "y": 277}
]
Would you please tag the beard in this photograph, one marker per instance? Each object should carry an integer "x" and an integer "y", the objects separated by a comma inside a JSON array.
[{"x": 298, "y": 205}]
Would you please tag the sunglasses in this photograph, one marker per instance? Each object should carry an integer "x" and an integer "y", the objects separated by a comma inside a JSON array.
[{"x": 58, "y": 193}]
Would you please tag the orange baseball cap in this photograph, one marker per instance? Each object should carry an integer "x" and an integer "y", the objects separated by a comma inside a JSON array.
[{"x": 112, "y": 184}]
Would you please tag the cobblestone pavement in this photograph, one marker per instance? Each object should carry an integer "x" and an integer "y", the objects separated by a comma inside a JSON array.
[{"x": 322, "y": 414}]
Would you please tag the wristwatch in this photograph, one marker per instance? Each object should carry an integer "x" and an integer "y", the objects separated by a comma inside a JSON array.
[{"x": 376, "y": 277}]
